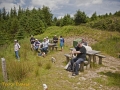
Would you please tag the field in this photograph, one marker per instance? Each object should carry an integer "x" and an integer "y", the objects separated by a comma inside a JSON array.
[{"x": 33, "y": 71}]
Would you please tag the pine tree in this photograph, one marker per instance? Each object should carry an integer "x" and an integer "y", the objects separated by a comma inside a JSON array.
[{"x": 80, "y": 17}]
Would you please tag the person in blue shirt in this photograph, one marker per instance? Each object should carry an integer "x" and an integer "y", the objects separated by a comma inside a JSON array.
[{"x": 61, "y": 42}]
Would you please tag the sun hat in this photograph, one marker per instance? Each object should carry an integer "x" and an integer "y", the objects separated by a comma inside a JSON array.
[{"x": 15, "y": 40}]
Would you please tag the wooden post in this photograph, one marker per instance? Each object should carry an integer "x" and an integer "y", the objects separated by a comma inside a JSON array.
[{"x": 4, "y": 69}]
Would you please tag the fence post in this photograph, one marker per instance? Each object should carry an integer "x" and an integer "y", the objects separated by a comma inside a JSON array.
[{"x": 4, "y": 71}]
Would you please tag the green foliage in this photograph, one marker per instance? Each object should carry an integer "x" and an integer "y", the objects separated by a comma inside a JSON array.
[
  {"x": 94, "y": 17},
  {"x": 67, "y": 20},
  {"x": 113, "y": 78},
  {"x": 18, "y": 70},
  {"x": 24, "y": 23},
  {"x": 110, "y": 46},
  {"x": 80, "y": 17},
  {"x": 108, "y": 23}
]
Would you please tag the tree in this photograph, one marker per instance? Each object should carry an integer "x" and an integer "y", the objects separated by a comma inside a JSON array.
[
  {"x": 54, "y": 21},
  {"x": 14, "y": 12},
  {"x": 67, "y": 20},
  {"x": 80, "y": 17},
  {"x": 11, "y": 13},
  {"x": 94, "y": 16},
  {"x": 47, "y": 15},
  {"x": 0, "y": 15},
  {"x": 4, "y": 13}
]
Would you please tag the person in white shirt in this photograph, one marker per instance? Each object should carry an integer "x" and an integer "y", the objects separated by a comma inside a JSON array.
[
  {"x": 16, "y": 49},
  {"x": 44, "y": 46}
]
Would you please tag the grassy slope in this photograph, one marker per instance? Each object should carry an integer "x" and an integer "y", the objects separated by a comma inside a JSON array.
[{"x": 39, "y": 70}]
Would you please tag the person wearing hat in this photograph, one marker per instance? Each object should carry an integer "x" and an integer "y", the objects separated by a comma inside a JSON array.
[
  {"x": 16, "y": 49},
  {"x": 55, "y": 40},
  {"x": 37, "y": 45},
  {"x": 32, "y": 40},
  {"x": 44, "y": 48},
  {"x": 81, "y": 56}
]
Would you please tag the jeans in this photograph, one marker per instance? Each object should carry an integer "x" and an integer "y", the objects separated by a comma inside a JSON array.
[
  {"x": 44, "y": 49},
  {"x": 17, "y": 54},
  {"x": 75, "y": 64}
]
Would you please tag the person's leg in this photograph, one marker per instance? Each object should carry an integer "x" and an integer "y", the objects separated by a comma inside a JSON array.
[
  {"x": 45, "y": 50},
  {"x": 72, "y": 62},
  {"x": 17, "y": 54},
  {"x": 77, "y": 65}
]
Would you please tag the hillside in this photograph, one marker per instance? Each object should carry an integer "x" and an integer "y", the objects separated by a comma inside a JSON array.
[{"x": 32, "y": 71}]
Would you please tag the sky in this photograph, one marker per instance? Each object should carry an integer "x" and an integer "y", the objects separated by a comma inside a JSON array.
[{"x": 60, "y": 8}]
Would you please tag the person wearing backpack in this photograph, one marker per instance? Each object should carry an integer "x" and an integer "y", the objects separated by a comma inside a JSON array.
[
  {"x": 16, "y": 49},
  {"x": 61, "y": 42}
]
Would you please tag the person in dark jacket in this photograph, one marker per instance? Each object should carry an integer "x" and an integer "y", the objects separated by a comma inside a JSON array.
[{"x": 81, "y": 56}]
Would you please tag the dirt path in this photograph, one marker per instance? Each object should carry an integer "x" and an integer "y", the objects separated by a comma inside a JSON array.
[{"x": 110, "y": 64}]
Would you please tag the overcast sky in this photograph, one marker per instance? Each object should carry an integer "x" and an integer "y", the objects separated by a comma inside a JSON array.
[{"x": 61, "y": 7}]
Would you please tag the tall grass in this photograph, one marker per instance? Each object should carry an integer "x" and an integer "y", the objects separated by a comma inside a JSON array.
[
  {"x": 110, "y": 46},
  {"x": 18, "y": 70}
]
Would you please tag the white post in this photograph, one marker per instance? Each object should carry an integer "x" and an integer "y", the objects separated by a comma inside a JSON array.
[{"x": 4, "y": 69}]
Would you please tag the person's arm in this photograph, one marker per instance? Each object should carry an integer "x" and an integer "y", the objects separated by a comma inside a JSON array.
[{"x": 76, "y": 52}]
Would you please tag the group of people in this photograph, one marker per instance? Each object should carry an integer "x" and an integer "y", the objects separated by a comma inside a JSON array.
[
  {"x": 38, "y": 45},
  {"x": 80, "y": 50},
  {"x": 43, "y": 46}
]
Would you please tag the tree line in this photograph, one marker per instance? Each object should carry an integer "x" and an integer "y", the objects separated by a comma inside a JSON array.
[{"x": 23, "y": 22}]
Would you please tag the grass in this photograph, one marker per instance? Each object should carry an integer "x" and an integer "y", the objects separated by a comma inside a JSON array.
[
  {"x": 37, "y": 70},
  {"x": 112, "y": 79},
  {"x": 110, "y": 46}
]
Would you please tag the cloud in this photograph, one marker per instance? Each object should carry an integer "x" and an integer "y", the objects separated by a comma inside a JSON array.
[
  {"x": 9, "y": 5},
  {"x": 52, "y": 4},
  {"x": 61, "y": 7},
  {"x": 6, "y": 1}
]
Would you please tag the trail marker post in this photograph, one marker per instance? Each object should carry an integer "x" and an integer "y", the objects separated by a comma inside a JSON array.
[{"x": 4, "y": 71}]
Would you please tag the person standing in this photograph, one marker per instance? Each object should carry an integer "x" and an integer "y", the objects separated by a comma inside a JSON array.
[
  {"x": 55, "y": 40},
  {"x": 61, "y": 42},
  {"x": 32, "y": 40},
  {"x": 16, "y": 49}
]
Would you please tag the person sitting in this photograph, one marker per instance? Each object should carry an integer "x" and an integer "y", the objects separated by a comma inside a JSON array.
[
  {"x": 37, "y": 45},
  {"x": 81, "y": 56},
  {"x": 55, "y": 40},
  {"x": 32, "y": 40},
  {"x": 44, "y": 48},
  {"x": 84, "y": 42}
]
